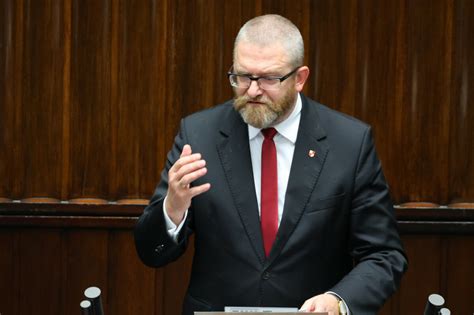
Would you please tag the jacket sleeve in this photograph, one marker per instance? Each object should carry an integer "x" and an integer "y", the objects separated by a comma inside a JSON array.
[
  {"x": 374, "y": 243},
  {"x": 153, "y": 244}
]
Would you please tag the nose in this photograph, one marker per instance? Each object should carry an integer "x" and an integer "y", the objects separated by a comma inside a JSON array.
[{"x": 254, "y": 89}]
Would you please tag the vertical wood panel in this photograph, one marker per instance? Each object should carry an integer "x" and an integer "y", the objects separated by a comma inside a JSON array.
[
  {"x": 461, "y": 140},
  {"x": 424, "y": 273},
  {"x": 460, "y": 258},
  {"x": 176, "y": 86},
  {"x": 42, "y": 87},
  {"x": 9, "y": 271},
  {"x": 131, "y": 287},
  {"x": 66, "y": 114},
  {"x": 159, "y": 292},
  {"x": 332, "y": 57},
  {"x": 8, "y": 98},
  {"x": 233, "y": 17},
  {"x": 377, "y": 73},
  {"x": 195, "y": 61},
  {"x": 139, "y": 111},
  {"x": 84, "y": 257},
  {"x": 40, "y": 271},
  {"x": 90, "y": 99},
  {"x": 425, "y": 127}
]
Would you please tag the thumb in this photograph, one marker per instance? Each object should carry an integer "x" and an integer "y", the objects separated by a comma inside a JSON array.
[
  {"x": 307, "y": 306},
  {"x": 186, "y": 150}
]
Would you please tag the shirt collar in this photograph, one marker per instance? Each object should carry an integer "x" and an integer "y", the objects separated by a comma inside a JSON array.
[{"x": 288, "y": 128}]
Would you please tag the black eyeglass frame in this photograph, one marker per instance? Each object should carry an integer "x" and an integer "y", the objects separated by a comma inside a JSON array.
[{"x": 253, "y": 78}]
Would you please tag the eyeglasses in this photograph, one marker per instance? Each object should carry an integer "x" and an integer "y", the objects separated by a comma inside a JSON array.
[{"x": 243, "y": 81}]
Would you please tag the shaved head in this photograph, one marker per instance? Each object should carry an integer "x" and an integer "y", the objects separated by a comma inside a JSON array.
[{"x": 272, "y": 29}]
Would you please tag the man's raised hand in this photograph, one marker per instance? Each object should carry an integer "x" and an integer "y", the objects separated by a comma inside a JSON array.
[{"x": 187, "y": 169}]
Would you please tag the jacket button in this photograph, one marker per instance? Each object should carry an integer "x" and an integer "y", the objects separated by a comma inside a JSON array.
[
  {"x": 159, "y": 248},
  {"x": 266, "y": 276}
]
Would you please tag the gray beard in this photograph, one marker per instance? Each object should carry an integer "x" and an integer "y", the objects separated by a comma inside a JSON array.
[
  {"x": 264, "y": 115},
  {"x": 258, "y": 118}
]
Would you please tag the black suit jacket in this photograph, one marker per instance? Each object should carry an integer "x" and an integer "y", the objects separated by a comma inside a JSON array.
[{"x": 337, "y": 233}]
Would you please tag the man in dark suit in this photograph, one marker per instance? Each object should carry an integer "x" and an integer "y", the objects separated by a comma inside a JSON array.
[{"x": 286, "y": 197}]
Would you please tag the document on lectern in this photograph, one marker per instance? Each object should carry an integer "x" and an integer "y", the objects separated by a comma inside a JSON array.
[
  {"x": 258, "y": 310},
  {"x": 250, "y": 309}
]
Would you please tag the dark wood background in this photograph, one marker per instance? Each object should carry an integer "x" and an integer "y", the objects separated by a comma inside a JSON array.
[{"x": 92, "y": 91}]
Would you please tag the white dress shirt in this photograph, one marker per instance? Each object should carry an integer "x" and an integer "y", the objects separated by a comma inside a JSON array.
[{"x": 285, "y": 140}]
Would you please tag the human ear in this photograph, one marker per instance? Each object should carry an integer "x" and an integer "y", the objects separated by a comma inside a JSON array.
[{"x": 301, "y": 76}]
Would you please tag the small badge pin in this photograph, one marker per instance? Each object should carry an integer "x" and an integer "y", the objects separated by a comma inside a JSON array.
[{"x": 311, "y": 153}]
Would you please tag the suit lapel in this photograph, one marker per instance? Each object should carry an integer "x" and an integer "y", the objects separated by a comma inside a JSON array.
[
  {"x": 304, "y": 174},
  {"x": 234, "y": 153}
]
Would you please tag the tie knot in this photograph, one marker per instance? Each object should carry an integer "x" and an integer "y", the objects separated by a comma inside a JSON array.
[{"x": 269, "y": 133}]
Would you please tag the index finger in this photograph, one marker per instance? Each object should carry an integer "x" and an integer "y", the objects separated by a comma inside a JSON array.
[{"x": 185, "y": 160}]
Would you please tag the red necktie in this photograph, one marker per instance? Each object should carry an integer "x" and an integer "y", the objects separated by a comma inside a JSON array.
[{"x": 269, "y": 190}]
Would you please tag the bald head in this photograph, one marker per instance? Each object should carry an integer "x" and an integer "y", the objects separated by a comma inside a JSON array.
[{"x": 272, "y": 29}]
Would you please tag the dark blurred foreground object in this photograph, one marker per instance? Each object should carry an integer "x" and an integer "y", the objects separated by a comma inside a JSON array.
[
  {"x": 444, "y": 311},
  {"x": 86, "y": 307},
  {"x": 434, "y": 306},
  {"x": 93, "y": 304}
]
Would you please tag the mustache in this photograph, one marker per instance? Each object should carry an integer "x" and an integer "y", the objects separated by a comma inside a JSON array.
[{"x": 242, "y": 100}]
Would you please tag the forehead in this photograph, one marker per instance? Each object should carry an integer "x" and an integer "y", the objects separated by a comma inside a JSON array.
[{"x": 258, "y": 59}]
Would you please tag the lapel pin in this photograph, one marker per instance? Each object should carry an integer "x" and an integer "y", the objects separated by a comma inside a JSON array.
[{"x": 311, "y": 153}]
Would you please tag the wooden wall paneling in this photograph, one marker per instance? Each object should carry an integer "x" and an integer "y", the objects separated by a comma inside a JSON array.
[
  {"x": 176, "y": 280},
  {"x": 332, "y": 54},
  {"x": 176, "y": 85},
  {"x": 425, "y": 127},
  {"x": 8, "y": 97},
  {"x": 377, "y": 76},
  {"x": 296, "y": 11},
  {"x": 460, "y": 274},
  {"x": 40, "y": 271},
  {"x": 461, "y": 139},
  {"x": 250, "y": 9},
  {"x": 232, "y": 17},
  {"x": 424, "y": 272},
  {"x": 199, "y": 69},
  {"x": 74, "y": 74},
  {"x": 91, "y": 108},
  {"x": 9, "y": 272},
  {"x": 159, "y": 292},
  {"x": 299, "y": 12},
  {"x": 131, "y": 285},
  {"x": 139, "y": 110},
  {"x": 11, "y": 168},
  {"x": 41, "y": 106},
  {"x": 84, "y": 259},
  {"x": 207, "y": 77},
  {"x": 66, "y": 112}
]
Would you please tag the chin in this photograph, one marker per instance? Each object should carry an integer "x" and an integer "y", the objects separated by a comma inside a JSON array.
[{"x": 257, "y": 118}]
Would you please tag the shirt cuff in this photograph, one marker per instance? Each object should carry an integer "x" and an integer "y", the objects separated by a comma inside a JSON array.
[
  {"x": 171, "y": 228},
  {"x": 343, "y": 309}
]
